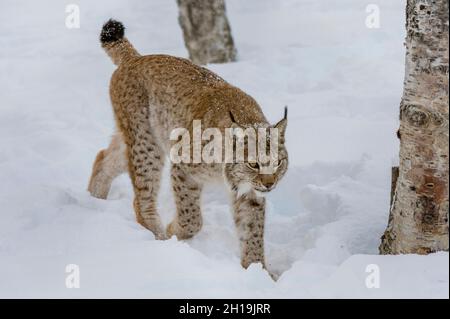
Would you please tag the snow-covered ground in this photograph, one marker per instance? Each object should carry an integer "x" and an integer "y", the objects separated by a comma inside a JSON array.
[{"x": 342, "y": 82}]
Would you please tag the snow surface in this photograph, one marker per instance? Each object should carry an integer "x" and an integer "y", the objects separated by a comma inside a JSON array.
[{"x": 342, "y": 82}]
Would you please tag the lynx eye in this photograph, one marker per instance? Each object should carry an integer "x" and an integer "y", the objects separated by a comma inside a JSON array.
[
  {"x": 253, "y": 165},
  {"x": 279, "y": 162}
]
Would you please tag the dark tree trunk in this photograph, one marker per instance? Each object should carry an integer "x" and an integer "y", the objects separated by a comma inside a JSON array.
[{"x": 206, "y": 31}]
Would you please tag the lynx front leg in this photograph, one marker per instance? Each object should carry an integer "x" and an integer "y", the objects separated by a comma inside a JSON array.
[
  {"x": 109, "y": 164},
  {"x": 187, "y": 191},
  {"x": 249, "y": 215}
]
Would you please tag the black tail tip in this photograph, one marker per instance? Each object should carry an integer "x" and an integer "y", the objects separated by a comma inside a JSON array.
[{"x": 112, "y": 31}]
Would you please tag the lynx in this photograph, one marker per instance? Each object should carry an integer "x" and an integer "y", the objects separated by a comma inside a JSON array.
[{"x": 154, "y": 94}]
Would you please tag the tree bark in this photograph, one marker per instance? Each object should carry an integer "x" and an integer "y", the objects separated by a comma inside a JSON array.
[
  {"x": 394, "y": 178},
  {"x": 206, "y": 31},
  {"x": 418, "y": 221}
]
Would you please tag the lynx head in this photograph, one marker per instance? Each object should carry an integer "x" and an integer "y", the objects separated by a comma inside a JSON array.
[{"x": 261, "y": 171}]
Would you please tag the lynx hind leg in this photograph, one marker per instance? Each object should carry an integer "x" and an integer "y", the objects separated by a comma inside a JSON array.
[
  {"x": 145, "y": 161},
  {"x": 188, "y": 220},
  {"x": 109, "y": 164}
]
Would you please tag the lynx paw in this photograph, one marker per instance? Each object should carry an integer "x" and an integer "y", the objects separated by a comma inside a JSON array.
[
  {"x": 182, "y": 233},
  {"x": 158, "y": 231},
  {"x": 171, "y": 229}
]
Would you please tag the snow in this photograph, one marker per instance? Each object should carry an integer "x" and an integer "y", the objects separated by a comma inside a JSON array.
[{"x": 342, "y": 83}]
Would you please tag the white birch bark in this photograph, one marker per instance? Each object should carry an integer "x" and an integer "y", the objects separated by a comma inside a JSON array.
[{"x": 418, "y": 221}]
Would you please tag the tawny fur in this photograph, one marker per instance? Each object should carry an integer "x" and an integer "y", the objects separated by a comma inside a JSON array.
[{"x": 152, "y": 95}]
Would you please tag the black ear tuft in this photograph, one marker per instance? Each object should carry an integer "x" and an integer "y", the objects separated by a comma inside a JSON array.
[
  {"x": 281, "y": 125},
  {"x": 112, "y": 31}
]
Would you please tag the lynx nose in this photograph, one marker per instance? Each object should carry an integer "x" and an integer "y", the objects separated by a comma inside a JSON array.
[
  {"x": 267, "y": 181},
  {"x": 268, "y": 185}
]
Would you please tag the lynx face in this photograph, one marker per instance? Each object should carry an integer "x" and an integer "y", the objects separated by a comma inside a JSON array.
[{"x": 258, "y": 175}]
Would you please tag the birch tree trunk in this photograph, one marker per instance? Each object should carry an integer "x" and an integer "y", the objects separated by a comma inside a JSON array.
[
  {"x": 418, "y": 221},
  {"x": 206, "y": 31}
]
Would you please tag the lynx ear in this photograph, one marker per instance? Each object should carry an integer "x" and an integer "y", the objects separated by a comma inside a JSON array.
[
  {"x": 232, "y": 117},
  {"x": 282, "y": 124},
  {"x": 234, "y": 124}
]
